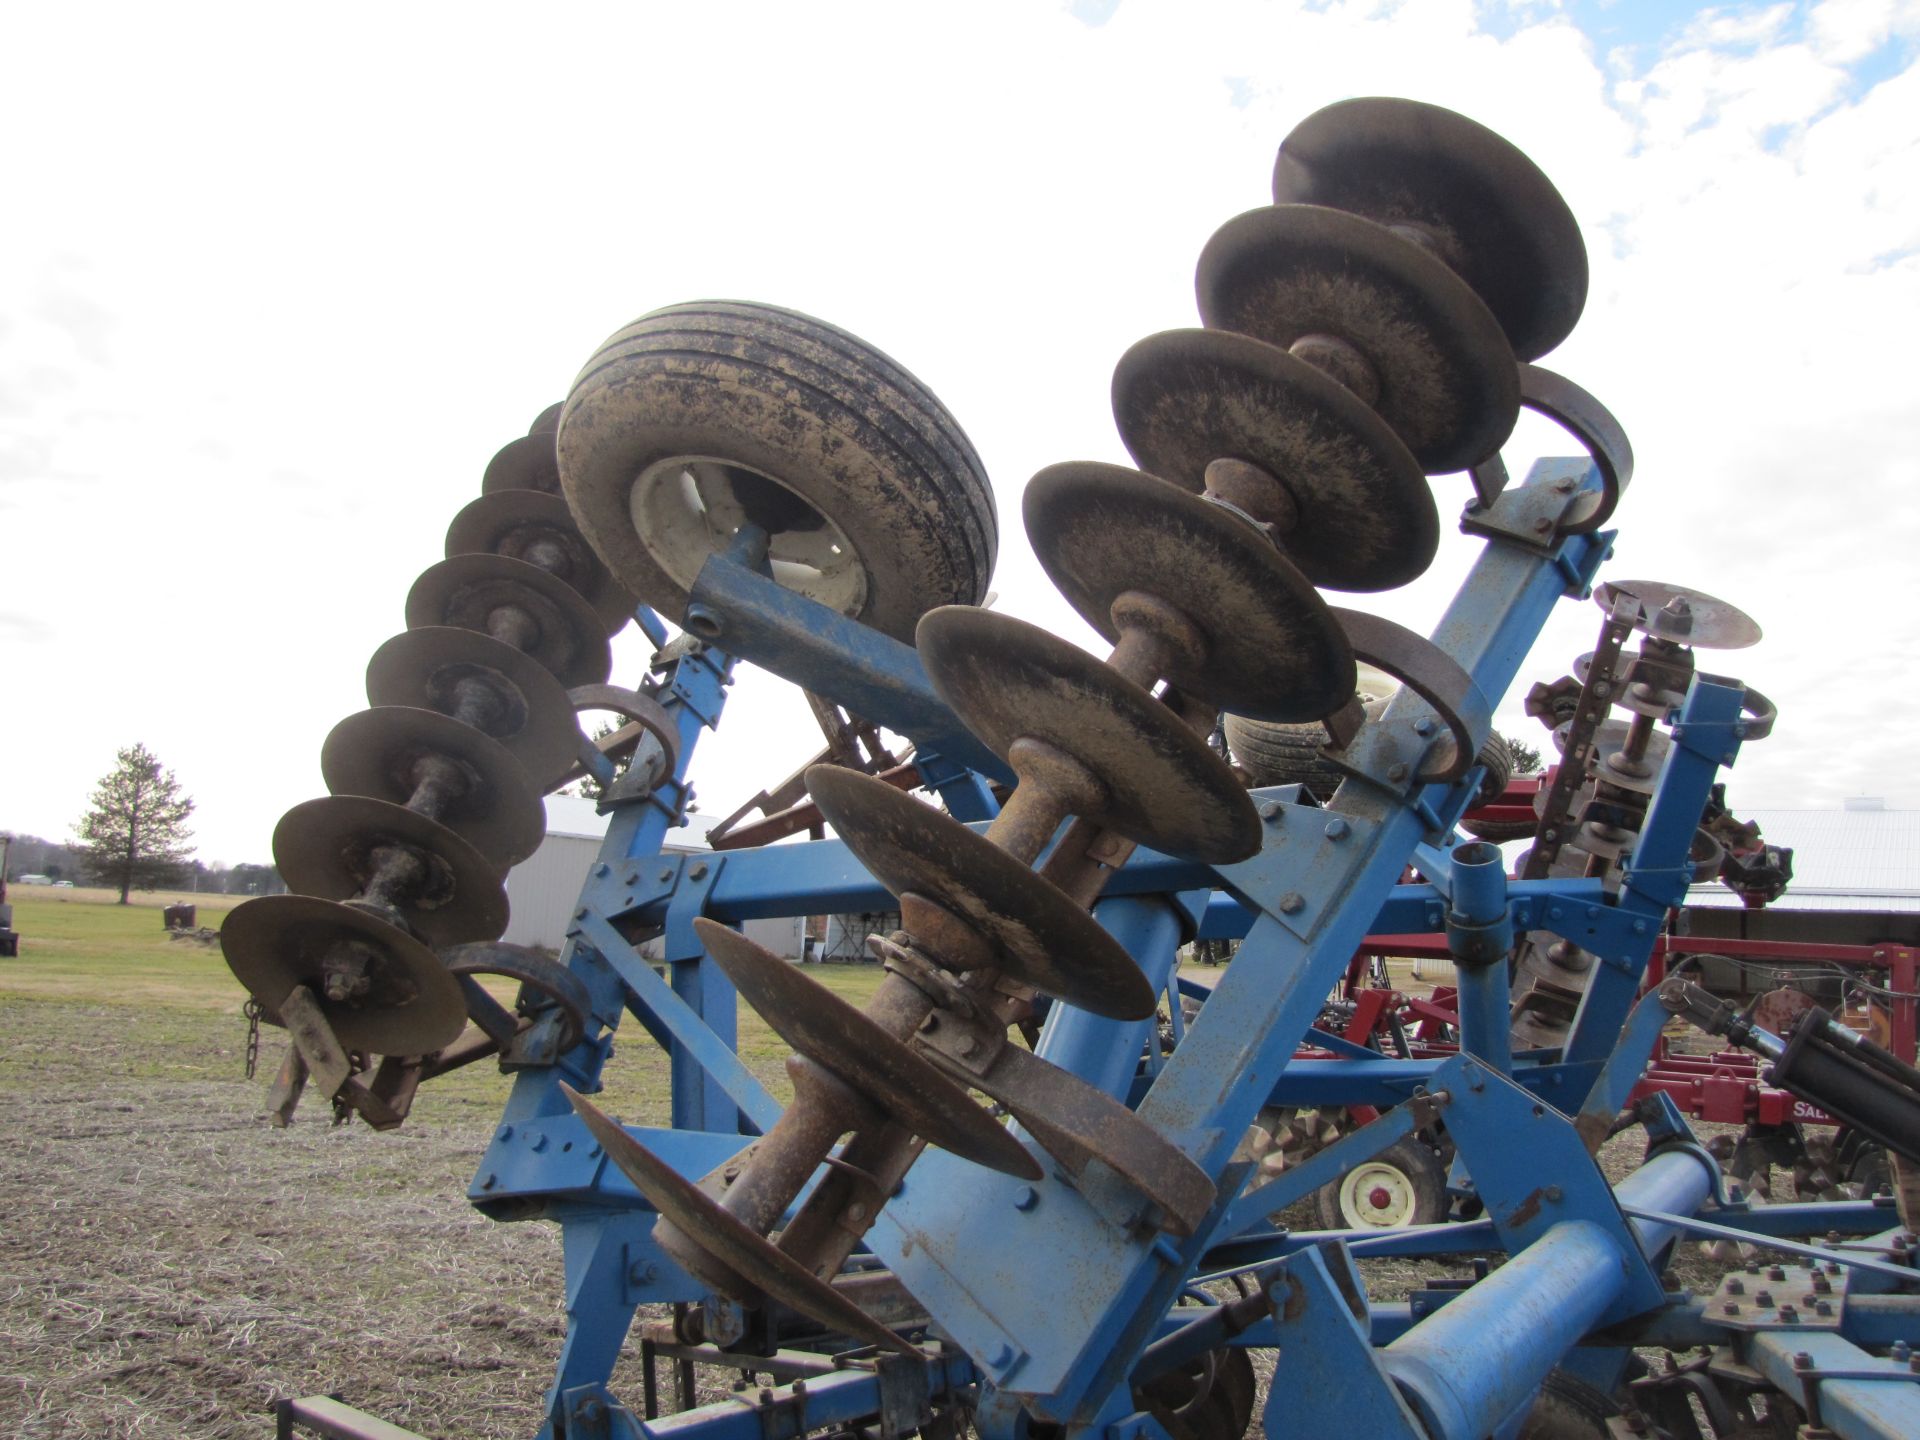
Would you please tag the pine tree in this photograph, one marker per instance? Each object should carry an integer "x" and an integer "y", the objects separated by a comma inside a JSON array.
[{"x": 135, "y": 831}]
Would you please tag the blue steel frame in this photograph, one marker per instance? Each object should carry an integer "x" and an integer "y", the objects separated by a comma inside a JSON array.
[{"x": 1052, "y": 1293}]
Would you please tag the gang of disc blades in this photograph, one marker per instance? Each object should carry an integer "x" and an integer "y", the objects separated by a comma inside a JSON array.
[
  {"x": 1716, "y": 625},
  {"x": 1610, "y": 738},
  {"x": 1365, "y": 515},
  {"x": 374, "y": 753},
  {"x": 1273, "y": 651},
  {"x": 528, "y": 463},
  {"x": 512, "y": 522},
  {"x": 413, "y": 1006},
  {"x": 325, "y": 847},
  {"x": 1037, "y": 934},
  {"x": 1494, "y": 215},
  {"x": 465, "y": 590},
  {"x": 1008, "y": 680},
  {"x": 831, "y": 1033},
  {"x": 703, "y": 1221},
  {"x": 1448, "y": 383},
  {"x": 423, "y": 668}
]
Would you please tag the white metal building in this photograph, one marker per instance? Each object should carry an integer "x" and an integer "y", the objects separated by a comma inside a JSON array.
[{"x": 544, "y": 889}]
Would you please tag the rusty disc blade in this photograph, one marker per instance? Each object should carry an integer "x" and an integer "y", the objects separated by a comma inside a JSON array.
[
  {"x": 467, "y": 590},
  {"x": 1036, "y": 933},
  {"x": 411, "y": 1004},
  {"x": 1365, "y": 515},
  {"x": 1007, "y": 680},
  {"x": 326, "y": 847},
  {"x": 1448, "y": 383},
  {"x": 547, "y": 422},
  {"x": 376, "y": 752},
  {"x": 528, "y": 463},
  {"x": 1706, "y": 623},
  {"x": 532, "y": 717},
  {"x": 1487, "y": 209},
  {"x": 831, "y": 1033},
  {"x": 703, "y": 1221},
  {"x": 1273, "y": 651},
  {"x": 538, "y": 528}
]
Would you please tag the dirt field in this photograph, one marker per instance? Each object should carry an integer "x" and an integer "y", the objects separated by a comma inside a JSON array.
[{"x": 169, "y": 1264}]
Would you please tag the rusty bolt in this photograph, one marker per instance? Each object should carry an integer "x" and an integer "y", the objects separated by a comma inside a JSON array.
[
  {"x": 1802, "y": 1360},
  {"x": 1913, "y": 1364},
  {"x": 1732, "y": 1308},
  {"x": 1823, "y": 1307},
  {"x": 766, "y": 1396},
  {"x": 1789, "y": 1313},
  {"x": 1292, "y": 903},
  {"x": 1735, "y": 1287},
  {"x": 1821, "y": 1284},
  {"x": 1776, "y": 1274},
  {"x": 1765, "y": 1297},
  {"x": 799, "y": 1388}
]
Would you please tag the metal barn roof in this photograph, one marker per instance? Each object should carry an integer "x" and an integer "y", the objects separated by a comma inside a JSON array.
[{"x": 1860, "y": 857}]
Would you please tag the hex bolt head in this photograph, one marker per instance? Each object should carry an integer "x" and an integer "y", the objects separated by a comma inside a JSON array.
[
  {"x": 1789, "y": 1313},
  {"x": 1736, "y": 1287},
  {"x": 1802, "y": 1360}
]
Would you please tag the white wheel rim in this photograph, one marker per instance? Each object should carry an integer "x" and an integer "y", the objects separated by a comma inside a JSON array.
[
  {"x": 690, "y": 506},
  {"x": 1378, "y": 1195}
]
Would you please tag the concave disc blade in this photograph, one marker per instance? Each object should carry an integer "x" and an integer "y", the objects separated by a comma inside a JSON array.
[
  {"x": 547, "y": 422},
  {"x": 514, "y": 522},
  {"x": 1366, "y": 518},
  {"x": 325, "y": 847},
  {"x": 1449, "y": 385},
  {"x": 831, "y": 1033},
  {"x": 707, "y": 1225},
  {"x": 375, "y": 751},
  {"x": 1007, "y": 680},
  {"x": 528, "y": 463},
  {"x": 1037, "y": 934},
  {"x": 1494, "y": 215},
  {"x": 1273, "y": 650},
  {"x": 412, "y": 1005},
  {"x": 423, "y": 668},
  {"x": 1715, "y": 624},
  {"x": 465, "y": 590}
]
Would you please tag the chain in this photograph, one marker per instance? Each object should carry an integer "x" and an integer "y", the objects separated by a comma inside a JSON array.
[{"x": 253, "y": 1012}]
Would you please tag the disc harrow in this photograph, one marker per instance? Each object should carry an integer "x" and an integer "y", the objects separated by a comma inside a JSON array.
[
  {"x": 434, "y": 794},
  {"x": 1595, "y": 807},
  {"x": 997, "y": 1195}
]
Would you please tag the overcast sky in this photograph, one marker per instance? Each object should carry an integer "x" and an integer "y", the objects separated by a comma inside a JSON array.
[{"x": 275, "y": 282}]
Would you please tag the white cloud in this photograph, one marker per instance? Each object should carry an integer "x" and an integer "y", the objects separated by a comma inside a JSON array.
[{"x": 289, "y": 282}]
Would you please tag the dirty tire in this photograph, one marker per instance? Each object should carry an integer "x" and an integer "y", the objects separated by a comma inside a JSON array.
[
  {"x": 1275, "y": 753},
  {"x": 1410, "y": 1176},
  {"x": 1497, "y": 759},
  {"x": 1568, "y": 1409},
  {"x": 877, "y": 503}
]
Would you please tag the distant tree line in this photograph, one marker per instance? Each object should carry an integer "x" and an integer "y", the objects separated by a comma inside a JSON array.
[{"x": 32, "y": 855}]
